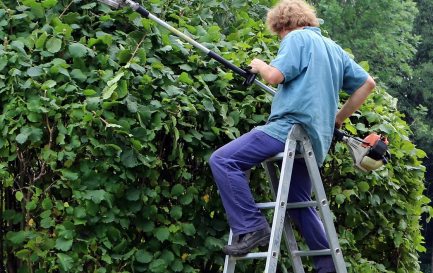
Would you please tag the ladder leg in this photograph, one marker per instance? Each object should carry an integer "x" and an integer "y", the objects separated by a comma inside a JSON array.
[
  {"x": 229, "y": 263},
  {"x": 289, "y": 236},
  {"x": 280, "y": 207},
  {"x": 324, "y": 210}
]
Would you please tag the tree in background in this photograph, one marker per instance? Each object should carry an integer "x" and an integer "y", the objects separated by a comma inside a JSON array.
[{"x": 377, "y": 31}]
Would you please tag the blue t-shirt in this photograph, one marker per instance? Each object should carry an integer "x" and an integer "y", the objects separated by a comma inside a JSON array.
[{"x": 315, "y": 69}]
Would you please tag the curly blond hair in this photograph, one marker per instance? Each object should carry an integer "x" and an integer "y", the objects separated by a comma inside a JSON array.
[{"x": 291, "y": 14}]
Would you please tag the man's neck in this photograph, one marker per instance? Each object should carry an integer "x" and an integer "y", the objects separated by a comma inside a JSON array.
[{"x": 284, "y": 32}]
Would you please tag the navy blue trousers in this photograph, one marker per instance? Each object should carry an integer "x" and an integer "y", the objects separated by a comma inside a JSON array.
[{"x": 228, "y": 165}]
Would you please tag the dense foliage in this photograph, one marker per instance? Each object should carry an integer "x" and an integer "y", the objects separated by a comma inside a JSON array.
[{"x": 107, "y": 123}]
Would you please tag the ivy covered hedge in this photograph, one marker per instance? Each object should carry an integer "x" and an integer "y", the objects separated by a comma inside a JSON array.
[{"x": 107, "y": 122}]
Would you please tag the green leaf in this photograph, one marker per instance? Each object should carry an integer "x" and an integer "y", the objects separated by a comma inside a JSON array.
[
  {"x": 209, "y": 77},
  {"x": 116, "y": 78},
  {"x": 208, "y": 105},
  {"x": 188, "y": 229},
  {"x": 65, "y": 261},
  {"x": 339, "y": 198},
  {"x": 365, "y": 65},
  {"x": 350, "y": 128},
  {"x": 162, "y": 233},
  {"x": 184, "y": 77},
  {"x": 89, "y": 6},
  {"x": 47, "y": 222},
  {"x": 49, "y": 3},
  {"x": 54, "y": 45},
  {"x": 22, "y": 137},
  {"x": 167, "y": 256},
  {"x": 40, "y": 42},
  {"x": 129, "y": 159},
  {"x": 108, "y": 91},
  {"x": 177, "y": 190},
  {"x": 133, "y": 194},
  {"x": 63, "y": 244},
  {"x": 363, "y": 186},
  {"x": 177, "y": 266},
  {"x": 48, "y": 84},
  {"x": 172, "y": 90},
  {"x": 78, "y": 75},
  {"x": 69, "y": 175},
  {"x": 132, "y": 104},
  {"x": 47, "y": 204},
  {"x": 96, "y": 196},
  {"x": 3, "y": 62},
  {"x": 23, "y": 254},
  {"x": 148, "y": 226},
  {"x": 158, "y": 266},
  {"x": 80, "y": 212},
  {"x": 143, "y": 256},
  {"x": 17, "y": 238},
  {"x": 77, "y": 50},
  {"x": 19, "y": 46},
  {"x": 19, "y": 196},
  {"x": 89, "y": 92},
  {"x": 186, "y": 199},
  {"x": 176, "y": 212},
  {"x": 185, "y": 67},
  {"x": 34, "y": 71}
]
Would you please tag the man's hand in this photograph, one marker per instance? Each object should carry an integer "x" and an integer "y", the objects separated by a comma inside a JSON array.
[
  {"x": 269, "y": 73},
  {"x": 338, "y": 123},
  {"x": 257, "y": 65}
]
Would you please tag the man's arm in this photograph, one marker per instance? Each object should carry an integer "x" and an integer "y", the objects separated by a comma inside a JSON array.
[
  {"x": 268, "y": 73},
  {"x": 355, "y": 101}
]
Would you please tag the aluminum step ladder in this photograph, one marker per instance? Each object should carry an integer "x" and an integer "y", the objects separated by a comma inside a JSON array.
[{"x": 297, "y": 145}]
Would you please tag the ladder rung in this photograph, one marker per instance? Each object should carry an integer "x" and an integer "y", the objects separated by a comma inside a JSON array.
[
  {"x": 298, "y": 205},
  {"x": 280, "y": 156},
  {"x": 268, "y": 205},
  {"x": 271, "y": 205},
  {"x": 321, "y": 252},
  {"x": 276, "y": 157},
  {"x": 250, "y": 256}
]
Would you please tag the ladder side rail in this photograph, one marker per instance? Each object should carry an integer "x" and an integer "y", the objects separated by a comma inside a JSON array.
[
  {"x": 280, "y": 206},
  {"x": 229, "y": 263},
  {"x": 289, "y": 237},
  {"x": 324, "y": 210}
]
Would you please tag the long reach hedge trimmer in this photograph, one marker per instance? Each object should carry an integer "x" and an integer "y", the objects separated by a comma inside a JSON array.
[{"x": 250, "y": 78}]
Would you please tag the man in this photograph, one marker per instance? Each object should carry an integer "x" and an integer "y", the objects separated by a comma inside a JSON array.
[{"x": 310, "y": 70}]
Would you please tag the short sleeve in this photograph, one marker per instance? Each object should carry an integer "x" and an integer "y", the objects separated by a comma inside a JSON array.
[
  {"x": 289, "y": 58},
  {"x": 354, "y": 75}
]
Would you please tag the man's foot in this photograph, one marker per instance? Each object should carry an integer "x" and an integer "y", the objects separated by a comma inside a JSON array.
[{"x": 247, "y": 242}]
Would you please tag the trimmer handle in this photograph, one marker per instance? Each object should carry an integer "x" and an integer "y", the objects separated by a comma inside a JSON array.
[
  {"x": 249, "y": 76},
  {"x": 338, "y": 135}
]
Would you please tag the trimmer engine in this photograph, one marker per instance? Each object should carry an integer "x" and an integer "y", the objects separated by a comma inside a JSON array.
[{"x": 368, "y": 154}]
